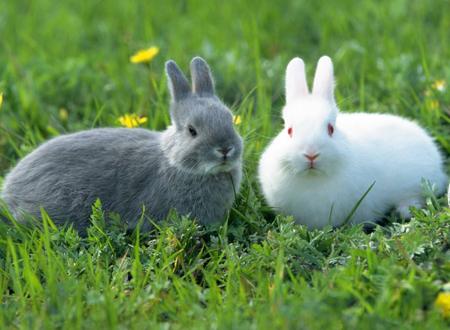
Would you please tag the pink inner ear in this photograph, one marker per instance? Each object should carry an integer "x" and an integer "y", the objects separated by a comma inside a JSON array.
[
  {"x": 330, "y": 129},
  {"x": 289, "y": 131}
]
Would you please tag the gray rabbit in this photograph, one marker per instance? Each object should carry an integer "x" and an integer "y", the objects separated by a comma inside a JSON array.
[{"x": 193, "y": 167}]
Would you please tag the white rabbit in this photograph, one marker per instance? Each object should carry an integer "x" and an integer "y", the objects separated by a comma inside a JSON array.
[{"x": 321, "y": 164}]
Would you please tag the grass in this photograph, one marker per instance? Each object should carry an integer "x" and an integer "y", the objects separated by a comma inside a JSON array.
[{"x": 64, "y": 66}]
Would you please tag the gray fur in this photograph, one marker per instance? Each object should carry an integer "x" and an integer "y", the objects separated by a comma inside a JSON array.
[
  {"x": 129, "y": 169},
  {"x": 178, "y": 85},
  {"x": 202, "y": 81}
]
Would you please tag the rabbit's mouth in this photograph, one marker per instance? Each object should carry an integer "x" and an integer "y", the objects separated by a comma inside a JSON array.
[
  {"x": 311, "y": 171},
  {"x": 304, "y": 169},
  {"x": 223, "y": 166}
]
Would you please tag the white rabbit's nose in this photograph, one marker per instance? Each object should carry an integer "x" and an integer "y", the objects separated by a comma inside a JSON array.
[{"x": 311, "y": 156}]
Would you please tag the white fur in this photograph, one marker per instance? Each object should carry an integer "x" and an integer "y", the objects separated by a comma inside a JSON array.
[{"x": 391, "y": 151}]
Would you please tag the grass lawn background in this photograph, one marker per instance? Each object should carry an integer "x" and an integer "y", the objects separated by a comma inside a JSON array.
[{"x": 64, "y": 66}]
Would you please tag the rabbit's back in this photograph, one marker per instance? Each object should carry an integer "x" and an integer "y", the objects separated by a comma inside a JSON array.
[
  {"x": 386, "y": 144},
  {"x": 66, "y": 174}
]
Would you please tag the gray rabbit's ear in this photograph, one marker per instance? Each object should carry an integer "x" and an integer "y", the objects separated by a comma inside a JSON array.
[
  {"x": 202, "y": 81},
  {"x": 178, "y": 84}
]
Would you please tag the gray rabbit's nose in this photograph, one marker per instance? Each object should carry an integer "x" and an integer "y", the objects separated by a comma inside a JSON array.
[{"x": 224, "y": 152}]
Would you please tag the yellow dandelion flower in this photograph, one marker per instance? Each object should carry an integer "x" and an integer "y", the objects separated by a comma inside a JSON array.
[
  {"x": 439, "y": 85},
  {"x": 1, "y": 100},
  {"x": 63, "y": 114},
  {"x": 443, "y": 303},
  {"x": 434, "y": 104},
  {"x": 132, "y": 120},
  {"x": 237, "y": 120},
  {"x": 144, "y": 55}
]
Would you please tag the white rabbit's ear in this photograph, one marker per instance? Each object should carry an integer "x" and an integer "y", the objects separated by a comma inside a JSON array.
[
  {"x": 296, "y": 86},
  {"x": 324, "y": 79}
]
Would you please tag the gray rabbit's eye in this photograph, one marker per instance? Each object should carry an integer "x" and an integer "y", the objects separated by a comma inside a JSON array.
[{"x": 192, "y": 131}]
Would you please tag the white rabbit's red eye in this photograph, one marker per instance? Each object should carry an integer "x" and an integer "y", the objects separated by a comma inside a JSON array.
[
  {"x": 290, "y": 131},
  {"x": 330, "y": 129}
]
